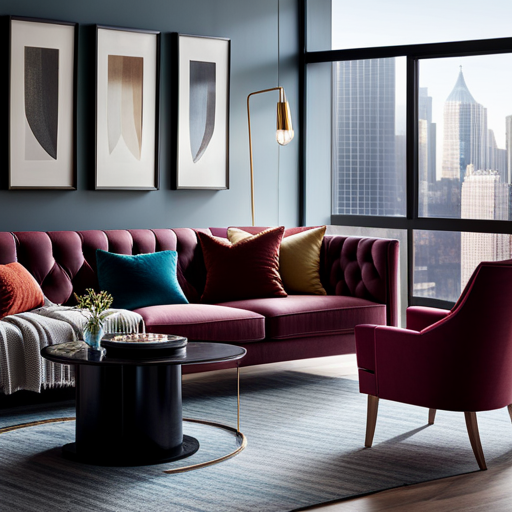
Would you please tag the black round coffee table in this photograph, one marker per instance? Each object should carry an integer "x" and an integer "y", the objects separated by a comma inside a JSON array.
[{"x": 128, "y": 409}]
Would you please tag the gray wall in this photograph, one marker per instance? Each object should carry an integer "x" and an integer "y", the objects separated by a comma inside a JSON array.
[
  {"x": 318, "y": 201},
  {"x": 264, "y": 48}
]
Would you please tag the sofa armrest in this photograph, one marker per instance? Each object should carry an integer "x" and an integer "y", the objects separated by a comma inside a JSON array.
[
  {"x": 366, "y": 268},
  {"x": 419, "y": 317}
]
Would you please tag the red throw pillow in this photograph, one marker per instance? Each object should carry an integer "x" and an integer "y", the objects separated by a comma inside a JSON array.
[
  {"x": 19, "y": 291},
  {"x": 248, "y": 269}
]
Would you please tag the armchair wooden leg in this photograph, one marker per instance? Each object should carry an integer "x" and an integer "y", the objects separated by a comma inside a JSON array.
[
  {"x": 509, "y": 407},
  {"x": 474, "y": 438},
  {"x": 371, "y": 419},
  {"x": 431, "y": 416}
]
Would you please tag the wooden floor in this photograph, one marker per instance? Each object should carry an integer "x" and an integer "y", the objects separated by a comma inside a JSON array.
[{"x": 489, "y": 491}]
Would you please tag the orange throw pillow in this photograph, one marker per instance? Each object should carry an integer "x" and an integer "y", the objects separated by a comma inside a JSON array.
[
  {"x": 19, "y": 291},
  {"x": 248, "y": 269}
]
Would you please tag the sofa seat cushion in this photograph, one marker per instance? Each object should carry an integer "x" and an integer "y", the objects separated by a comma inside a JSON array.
[
  {"x": 309, "y": 315},
  {"x": 204, "y": 322}
]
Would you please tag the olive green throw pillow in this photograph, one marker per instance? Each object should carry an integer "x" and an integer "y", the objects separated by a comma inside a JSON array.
[{"x": 299, "y": 259}]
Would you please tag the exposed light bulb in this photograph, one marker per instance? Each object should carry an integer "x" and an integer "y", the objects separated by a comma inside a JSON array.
[{"x": 284, "y": 137}]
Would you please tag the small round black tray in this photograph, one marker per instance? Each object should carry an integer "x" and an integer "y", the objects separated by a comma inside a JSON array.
[{"x": 146, "y": 342}]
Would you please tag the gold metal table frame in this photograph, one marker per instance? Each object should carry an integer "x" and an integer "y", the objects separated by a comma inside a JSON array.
[{"x": 239, "y": 436}]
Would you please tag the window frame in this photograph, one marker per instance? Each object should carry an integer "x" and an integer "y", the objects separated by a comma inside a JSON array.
[{"x": 411, "y": 222}]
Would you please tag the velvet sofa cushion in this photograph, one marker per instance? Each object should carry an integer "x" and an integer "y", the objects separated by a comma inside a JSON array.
[
  {"x": 141, "y": 280},
  {"x": 245, "y": 270},
  {"x": 205, "y": 322},
  {"x": 19, "y": 291},
  {"x": 299, "y": 258},
  {"x": 309, "y": 315}
]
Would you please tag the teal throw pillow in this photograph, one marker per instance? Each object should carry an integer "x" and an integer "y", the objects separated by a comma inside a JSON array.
[{"x": 141, "y": 280}]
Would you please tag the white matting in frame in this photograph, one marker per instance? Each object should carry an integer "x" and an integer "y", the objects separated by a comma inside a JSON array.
[
  {"x": 127, "y": 109},
  {"x": 203, "y": 113},
  {"x": 42, "y": 104}
]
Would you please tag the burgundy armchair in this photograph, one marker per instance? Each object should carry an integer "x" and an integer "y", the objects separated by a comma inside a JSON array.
[{"x": 458, "y": 360}]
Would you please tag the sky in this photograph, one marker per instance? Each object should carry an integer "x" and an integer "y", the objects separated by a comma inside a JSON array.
[{"x": 368, "y": 23}]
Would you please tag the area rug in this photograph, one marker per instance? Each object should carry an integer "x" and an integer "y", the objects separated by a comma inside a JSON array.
[{"x": 305, "y": 447}]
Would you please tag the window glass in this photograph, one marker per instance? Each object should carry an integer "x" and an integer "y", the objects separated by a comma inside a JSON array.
[
  {"x": 368, "y": 137},
  {"x": 369, "y": 23},
  {"x": 464, "y": 133},
  {"x": 445, "y": 260}
]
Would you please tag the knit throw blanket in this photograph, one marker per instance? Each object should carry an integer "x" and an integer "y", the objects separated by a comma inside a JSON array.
[{"x": 22, "y": 337}]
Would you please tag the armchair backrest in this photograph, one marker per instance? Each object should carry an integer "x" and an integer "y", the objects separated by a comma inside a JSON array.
[{"x": 473, "y": 345}]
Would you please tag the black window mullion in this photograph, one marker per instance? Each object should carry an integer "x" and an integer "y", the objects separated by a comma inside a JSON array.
[
  {"x": 412, "y": 138},
  {"x": 424, "y": 51},
  {"x": 412, "y": 81},
  {"x": 425, "y": 223}
]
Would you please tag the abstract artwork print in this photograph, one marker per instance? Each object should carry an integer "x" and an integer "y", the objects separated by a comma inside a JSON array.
[
  {"x": 202, "y": 106},
  {"x": 124, "y": 103},
  {"x": 41, "y": 103},
  {"x": 201, "y": 100}
]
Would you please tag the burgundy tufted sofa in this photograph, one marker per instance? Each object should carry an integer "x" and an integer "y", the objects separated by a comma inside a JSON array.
[{"x": 359, "y": 275}]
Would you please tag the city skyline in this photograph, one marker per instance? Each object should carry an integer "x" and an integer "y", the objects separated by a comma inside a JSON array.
[
  {"x": 478, "y": 158},
  {"x": 486, "y": 76}
]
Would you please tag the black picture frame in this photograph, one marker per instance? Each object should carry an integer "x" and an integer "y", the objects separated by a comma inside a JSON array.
[
  {"x": 127, "y": 148},
  {"x": 42, "y": 62},
  {"x": 201, "y": 151}
]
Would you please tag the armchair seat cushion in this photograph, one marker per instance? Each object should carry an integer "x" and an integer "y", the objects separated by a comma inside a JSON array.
[
  {"x": 299, "y": 316},
  {"x": 204, "y": 322}
]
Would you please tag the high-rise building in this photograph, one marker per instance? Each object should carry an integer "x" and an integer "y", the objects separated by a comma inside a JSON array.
[
  {"x": 508, "y": 142},
  {"x": 484, "y": 196},
  {"x": 426, "y": 150},
  {"x": 465, "y": 132},
  {"x": 496, "y": 158},
  {"x": 427, "y": 139},
  {"x": 364, "y": 151}
]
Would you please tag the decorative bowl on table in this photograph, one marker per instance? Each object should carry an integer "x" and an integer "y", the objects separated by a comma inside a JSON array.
[{"x": 137, "y": 343}]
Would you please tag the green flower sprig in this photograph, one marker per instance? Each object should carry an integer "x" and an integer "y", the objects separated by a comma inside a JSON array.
[{"x": 96, "y": 304}]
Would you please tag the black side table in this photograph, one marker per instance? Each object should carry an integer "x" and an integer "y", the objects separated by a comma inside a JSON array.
[{"x": 129, "y": 410}]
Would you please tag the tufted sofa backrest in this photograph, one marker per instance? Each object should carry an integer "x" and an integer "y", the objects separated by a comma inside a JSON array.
[
  {"x": 366, "y": 268},
  {"x": 361, "y": 267},
  {"x": 64, "y": 262}
]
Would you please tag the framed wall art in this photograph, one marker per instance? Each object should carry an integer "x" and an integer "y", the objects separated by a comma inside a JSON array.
[
  {"x": 202, "y": 104},
  {"x": 127, "y": 88},
  {"x": 42, "y": 107}
]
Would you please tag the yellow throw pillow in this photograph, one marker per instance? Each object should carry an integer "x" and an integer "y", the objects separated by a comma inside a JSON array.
[{"x": 299, "y": 259}]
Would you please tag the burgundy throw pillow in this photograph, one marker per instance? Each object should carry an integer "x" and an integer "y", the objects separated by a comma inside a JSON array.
[
  {"x": 19, "y": 291},
  {"x": 248, "y": 269}
]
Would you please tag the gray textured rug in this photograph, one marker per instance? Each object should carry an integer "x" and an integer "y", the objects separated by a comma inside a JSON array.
[{"x": 305, "y": 446}]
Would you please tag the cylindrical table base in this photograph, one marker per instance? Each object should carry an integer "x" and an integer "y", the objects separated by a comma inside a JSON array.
[
  {"x": 129, "y": 415},
  {"x": 188, "y": 447}
]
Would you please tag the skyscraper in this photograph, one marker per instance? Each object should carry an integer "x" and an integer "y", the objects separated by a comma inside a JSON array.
[
  {"x": 426, "y": 150},
  {"x": 496, "y": 158},
  {"x": 366, "y": 178},
  {"x": 484, "y": 196},
  {"x": 508, "y": 142},
  {"x": 465, "y": 138},
  {"x": 427, "y": 142}
]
